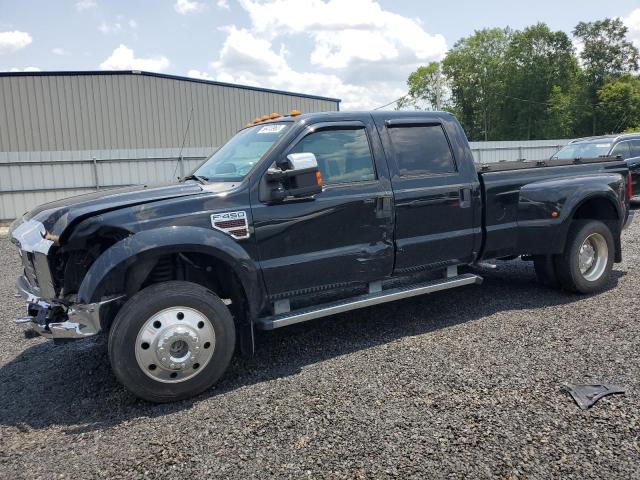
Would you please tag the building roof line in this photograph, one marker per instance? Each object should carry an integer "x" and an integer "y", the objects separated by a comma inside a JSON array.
[{"x": 164, "y": 75}]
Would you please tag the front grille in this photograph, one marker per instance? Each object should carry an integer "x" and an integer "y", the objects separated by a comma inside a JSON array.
[{"x": 29, "y": 268}]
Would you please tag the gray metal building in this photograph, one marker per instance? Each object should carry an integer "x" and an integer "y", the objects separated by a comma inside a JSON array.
[{"x": 67, "y": 133}]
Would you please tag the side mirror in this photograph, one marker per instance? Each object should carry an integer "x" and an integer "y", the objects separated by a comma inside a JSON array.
[
  {"x": 297, "y": 176},
  {"x": 299, "y": 161}
]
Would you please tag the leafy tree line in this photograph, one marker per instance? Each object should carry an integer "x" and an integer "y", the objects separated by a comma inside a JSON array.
[{"x": 530, "y": 84}]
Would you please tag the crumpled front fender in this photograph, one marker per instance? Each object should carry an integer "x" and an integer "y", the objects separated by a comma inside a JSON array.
[{"x": 162, "y": 241}]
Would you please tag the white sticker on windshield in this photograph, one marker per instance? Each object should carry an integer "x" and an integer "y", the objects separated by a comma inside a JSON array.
[
  {"x": 602, "y": 145},
  {"x": 271, "y": 129}
]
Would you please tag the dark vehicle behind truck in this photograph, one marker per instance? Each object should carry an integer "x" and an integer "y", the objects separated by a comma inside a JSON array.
[
  {"x": 625, "y": 146},
  {"x": 301, "y": 217}
]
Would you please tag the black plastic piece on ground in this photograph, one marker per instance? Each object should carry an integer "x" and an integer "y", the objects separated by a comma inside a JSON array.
[{"x": 587, "y": 395}]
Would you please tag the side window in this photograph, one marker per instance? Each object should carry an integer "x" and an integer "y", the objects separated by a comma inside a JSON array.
[
  {"x": 635, "y": 148},
  {"x": 623, "y": 149},
  {"x": 421, "y": 150},
  {"x": 343, "y": 155}
]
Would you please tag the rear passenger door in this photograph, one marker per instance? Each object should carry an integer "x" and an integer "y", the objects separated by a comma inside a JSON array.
[{"x": 436, "y": 224}]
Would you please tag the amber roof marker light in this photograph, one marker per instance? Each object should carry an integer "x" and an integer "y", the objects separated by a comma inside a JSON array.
[{"x": 273, "y": 116}]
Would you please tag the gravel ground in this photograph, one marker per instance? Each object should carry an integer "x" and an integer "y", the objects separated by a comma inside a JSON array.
[{"x": 459, "y": 384}]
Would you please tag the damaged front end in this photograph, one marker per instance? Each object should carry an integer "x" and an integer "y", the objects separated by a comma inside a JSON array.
[
  {"x": 47, "y": 314},
  {"x": 62, "y": 322}
]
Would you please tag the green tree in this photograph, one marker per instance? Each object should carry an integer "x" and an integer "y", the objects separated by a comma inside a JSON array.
[
  {"x": 475, "y": 71},
  {"x": 619, "y": 104},
  {"x": 428, "y": 89},
  {"x": 606, "y": 54},
  {"x": 529, "y": 84},
  {"x": 539, "y": 64},
  {"x": 568, "y": 113},
  {"x": 560, "y": 114}
]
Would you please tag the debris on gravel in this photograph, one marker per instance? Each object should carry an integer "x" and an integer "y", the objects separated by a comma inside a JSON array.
[
  {"x": 586, "y": 396},
  {"x": 458, "y": 384}
]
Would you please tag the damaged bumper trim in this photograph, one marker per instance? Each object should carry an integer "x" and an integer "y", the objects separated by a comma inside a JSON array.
[
  {"x": 82, "y": 320},
  {"x": 31, "y": 236}
]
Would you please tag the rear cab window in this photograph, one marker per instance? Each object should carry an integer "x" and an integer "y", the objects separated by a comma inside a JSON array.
[{"x": 421, "y": 150}]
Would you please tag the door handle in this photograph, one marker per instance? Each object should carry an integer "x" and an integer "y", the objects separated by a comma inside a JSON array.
[
  {"x": 383, "y": 202},
  {"x": 465, "y": 197},
  {"x": 383, "y": 206}
]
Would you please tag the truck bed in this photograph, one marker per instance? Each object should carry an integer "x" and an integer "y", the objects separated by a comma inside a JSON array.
[{"x": 526, "y": 203}]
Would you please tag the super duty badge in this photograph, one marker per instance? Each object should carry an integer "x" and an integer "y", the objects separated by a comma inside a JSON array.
[{"x": 233, "y": 223}]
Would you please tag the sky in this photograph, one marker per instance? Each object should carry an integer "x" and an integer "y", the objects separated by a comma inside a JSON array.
[{"x": 360, "y": 51}]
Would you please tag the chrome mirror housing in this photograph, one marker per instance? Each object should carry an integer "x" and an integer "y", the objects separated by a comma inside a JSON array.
[{"x": 301, "y": 161}]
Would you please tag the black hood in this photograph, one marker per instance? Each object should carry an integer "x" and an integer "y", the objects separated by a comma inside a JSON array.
[{"x": 57, "y": 216}]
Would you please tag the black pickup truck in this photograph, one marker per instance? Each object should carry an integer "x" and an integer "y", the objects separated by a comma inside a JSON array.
[{"x": 300, "y": 217}]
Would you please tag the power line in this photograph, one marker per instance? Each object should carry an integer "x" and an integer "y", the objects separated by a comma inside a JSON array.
[
  {"x": 546, "y": 104},
  {"x": 586, "y": 105},
  {"x": 528, "y": 101},
  {"x": 391, "y": 103}
]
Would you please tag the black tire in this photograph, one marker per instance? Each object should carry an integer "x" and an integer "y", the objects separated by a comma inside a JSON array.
[
  {"x": 567, "y": 265},
  {"x": 147, "y": 303},
  {"x": 545, "y": 268}
]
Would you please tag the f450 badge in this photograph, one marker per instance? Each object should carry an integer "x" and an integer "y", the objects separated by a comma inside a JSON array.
[{"x": 232, "y": 223}]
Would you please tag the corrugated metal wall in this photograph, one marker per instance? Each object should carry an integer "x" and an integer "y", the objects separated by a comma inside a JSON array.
[
  {"x": 43, "y": 112},
  {"x": 486, "y": 152},
  {"x": 53, "y": 126}
]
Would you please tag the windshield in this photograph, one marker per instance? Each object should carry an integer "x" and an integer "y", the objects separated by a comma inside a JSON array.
[
  {"x": 584, "y": 150},
  {"x": 236, "y": 158}
]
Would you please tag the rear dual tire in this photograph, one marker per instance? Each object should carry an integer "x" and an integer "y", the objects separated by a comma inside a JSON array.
[{"x": 586, "y": 263}]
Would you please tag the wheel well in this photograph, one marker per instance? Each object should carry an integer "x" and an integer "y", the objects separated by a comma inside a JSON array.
[
  {"x": 598, "y": 208},
  {"x": 205, "y": 270},
  {"x": 603, "y": 209}
]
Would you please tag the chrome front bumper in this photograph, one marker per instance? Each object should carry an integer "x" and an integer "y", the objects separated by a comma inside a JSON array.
[{"x": 80, "y": 321}]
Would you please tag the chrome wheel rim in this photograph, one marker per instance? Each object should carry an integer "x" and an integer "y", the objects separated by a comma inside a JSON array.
[
  {"x": 175, "y": 344},
  {"x": 593, "y": 256}
]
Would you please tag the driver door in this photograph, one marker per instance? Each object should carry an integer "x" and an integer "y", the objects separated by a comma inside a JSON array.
[{"x": 342, "y": 235}]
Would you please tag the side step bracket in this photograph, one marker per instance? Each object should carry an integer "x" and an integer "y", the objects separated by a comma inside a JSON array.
[{"x": 361, "y": 301}]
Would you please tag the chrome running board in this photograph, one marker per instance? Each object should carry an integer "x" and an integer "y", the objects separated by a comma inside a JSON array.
[{"x": 361, "y": 301}]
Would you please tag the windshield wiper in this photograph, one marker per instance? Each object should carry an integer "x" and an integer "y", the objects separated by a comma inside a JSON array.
[{"x": 198, "y": 178}]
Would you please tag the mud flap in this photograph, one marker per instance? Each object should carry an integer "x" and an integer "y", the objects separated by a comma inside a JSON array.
[
  {"x": 618, "y": 256},
  {"x": 246, "y": 341}
]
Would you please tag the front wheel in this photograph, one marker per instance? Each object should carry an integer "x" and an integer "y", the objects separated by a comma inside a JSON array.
[
  {"x": 586, "y": 263},
  {"x": 171, "y": 341}
]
